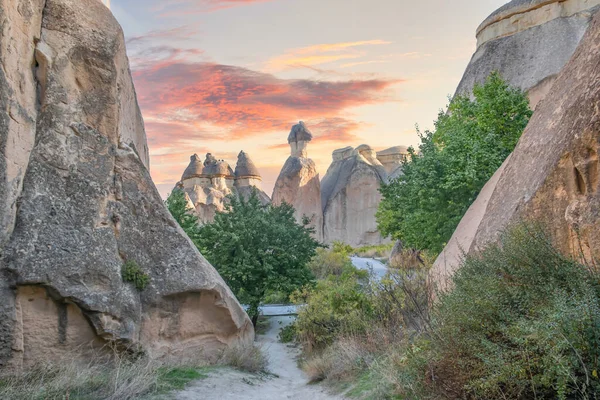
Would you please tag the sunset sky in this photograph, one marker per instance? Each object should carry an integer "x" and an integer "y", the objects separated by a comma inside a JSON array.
[{"x": 222, "y": 76}]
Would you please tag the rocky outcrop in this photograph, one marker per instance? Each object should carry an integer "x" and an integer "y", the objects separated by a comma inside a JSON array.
[
  {"x": 207, "y": 185},
  {"x": 529, "y": 42},
  {"x": 392, "y": 159},
  {"x": 559, "y": 151},
  {"x": 298, "y": 183},
  {"x": 248, "y": 179},
  {"x": 78, "y": 201},
  {"x": 350, "y": 197}
]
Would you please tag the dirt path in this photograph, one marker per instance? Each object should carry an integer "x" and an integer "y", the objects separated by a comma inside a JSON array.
[{"x": 290, "y": 382}]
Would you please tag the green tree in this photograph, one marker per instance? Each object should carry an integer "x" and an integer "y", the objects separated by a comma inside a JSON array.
[
  {"x": 440, "y": 181},
  {"x": 258, "y": 249},
  {"x": 180, "y": 210}
]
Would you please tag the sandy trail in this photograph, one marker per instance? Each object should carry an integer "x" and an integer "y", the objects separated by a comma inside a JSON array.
[{"x": 290, "y": 382}]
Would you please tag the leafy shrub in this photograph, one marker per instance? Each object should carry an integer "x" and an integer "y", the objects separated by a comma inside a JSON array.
[
  {"x": 522, "y": 322},
  {"x": 330, "y": 262},
  {"x": 337, "y": 305},
  {"x": 288, "y": 333},
  {"x": 132, "y": 273}
]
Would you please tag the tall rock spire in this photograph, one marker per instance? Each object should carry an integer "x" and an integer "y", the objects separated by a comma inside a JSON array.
[{"x": 298, "y": 183}]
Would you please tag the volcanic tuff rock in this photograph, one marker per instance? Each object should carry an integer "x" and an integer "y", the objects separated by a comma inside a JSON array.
[
  {"x": 208, "y": 184},
  {"x": 350, "y": 197},
  {"x": 298, "y": 183},
  {"x": 392, "y": 159},
  {"x": 77, "y": 201},
  {"x": 529, "y": 42},
  {"x": 559, "y": 151}
]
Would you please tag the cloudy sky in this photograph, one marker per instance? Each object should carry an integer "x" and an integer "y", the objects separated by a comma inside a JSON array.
[{"x": 222, "y": 76}]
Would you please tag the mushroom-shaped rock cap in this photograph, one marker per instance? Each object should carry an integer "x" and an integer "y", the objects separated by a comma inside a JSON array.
[
  {"x": 393, "y": 151},
  {"x": 214, "y": 167},
  {"x": 245, "y": 167},
  {"x": 194, "y": 169},
  {"x": 300, "y": 133}
]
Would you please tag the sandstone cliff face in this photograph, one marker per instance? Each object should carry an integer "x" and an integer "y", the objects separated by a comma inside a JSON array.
[
  {"x": 207, "y": 185},
  {"x": 559, "y": 151},
  {"x": 77, "y": 201},
  {"x": 298, "y": 183},
  {"x": 350, "y": 197},
  {"x": 529, "y": 42}
]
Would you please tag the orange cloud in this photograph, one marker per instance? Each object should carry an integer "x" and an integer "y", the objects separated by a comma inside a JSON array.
[
  {"x": 239, "y": 102},
  {"x": 313, "y": 55}
]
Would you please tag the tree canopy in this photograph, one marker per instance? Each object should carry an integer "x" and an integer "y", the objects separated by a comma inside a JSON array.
[
  {"x": 258, "y": 249},
  {"x": 470, "y": 142}
]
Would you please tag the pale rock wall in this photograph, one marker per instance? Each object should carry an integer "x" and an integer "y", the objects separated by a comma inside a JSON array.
[
  {"x": 559, "y": 151},
  {"x": 452, "y": 256},
  {"x": 350, "y": 197},
  {"x": 299, "y": 185},
  {"x": 392, "y": 159},
  {"x": 529, "y": 42},
  {"x": 87, "y": 202}
]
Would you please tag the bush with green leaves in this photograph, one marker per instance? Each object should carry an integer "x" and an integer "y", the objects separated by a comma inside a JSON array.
[
  {"x": 423, "y": 206},
  {"x": 258, "y": 249},
  {"x": 522, "y": 322},
  {"x": 330, "y": 262},
  {"x": 337, "y": 305},
  {"x": 132, "y": 273}
]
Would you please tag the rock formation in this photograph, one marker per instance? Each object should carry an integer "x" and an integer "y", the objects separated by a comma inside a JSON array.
[
  {"x": 529, "y": 42},
  {"x": 298, "y": 183},
  {"x": 208, "y": 184},
  {"x": 248, "y": 179},
  {"x": 559, "y": 151},
  {"x": 350, "y": 197},
  {"x": 77, "y": 201},
  {"x": 392, "y": 159}
]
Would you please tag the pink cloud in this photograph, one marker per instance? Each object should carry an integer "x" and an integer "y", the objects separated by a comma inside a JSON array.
[{"x": 245, "y": 102}]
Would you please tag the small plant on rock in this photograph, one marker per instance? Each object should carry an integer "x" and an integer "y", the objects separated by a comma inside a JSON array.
[{"x": 132, "y": 273}]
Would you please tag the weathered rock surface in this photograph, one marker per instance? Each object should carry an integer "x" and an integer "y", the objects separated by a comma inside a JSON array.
[
  {"x": 559, "y": 152},
  {"x": 77, "y": 201},
  {"x": 298, "y": 183},
  {"x": 529, "y": 42},
  {"x": 350, "y": 197},
  {"x": 392, "y": 159},
  {"x": 207, "y": 185},
  {"x": 248, "y": 178}
]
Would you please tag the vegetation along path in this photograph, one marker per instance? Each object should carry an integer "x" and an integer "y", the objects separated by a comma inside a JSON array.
[{"x": 286, "y": 382}]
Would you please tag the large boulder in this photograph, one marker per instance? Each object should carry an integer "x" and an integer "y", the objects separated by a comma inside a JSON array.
[
  {"x": 77, "y": 202},
  {"x": 298, "y": 183},
  {"x": 350, "y": 197},
  {"x": 528, "y": 42},
  {"x": 552, "y": 176}
]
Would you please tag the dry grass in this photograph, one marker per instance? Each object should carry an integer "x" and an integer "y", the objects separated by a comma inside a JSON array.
[
  {"x": 115, "y": 380},
  {"x": 350, "y": 356},
  {"x": 246, "y": 358},
  {"x": 121, "y": 378},
  {"x": 375, "y": 251}
]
